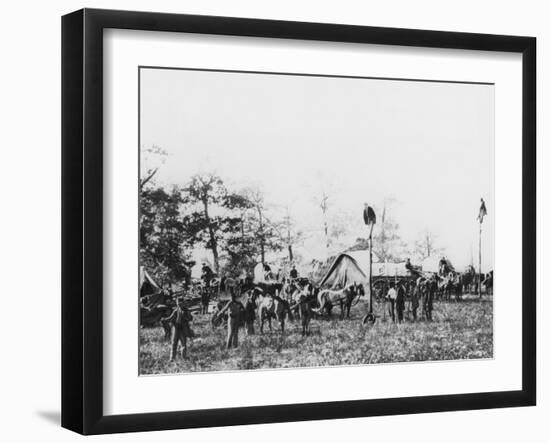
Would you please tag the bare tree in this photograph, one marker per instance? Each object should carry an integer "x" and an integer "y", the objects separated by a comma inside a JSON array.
[
  {"x": 324, "y": 208},
  {"x": 387, "y": 241},
  {"x": 426, "y": 246},
  {"x": 290, "y": 235}
]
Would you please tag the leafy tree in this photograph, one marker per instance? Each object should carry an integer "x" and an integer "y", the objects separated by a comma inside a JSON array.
[
  {"x": 216, "y": 218},
  {"x": 162, "y": 235}
]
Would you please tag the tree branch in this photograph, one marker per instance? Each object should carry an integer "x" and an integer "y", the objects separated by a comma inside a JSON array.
[{"x": 144, "y": 181}]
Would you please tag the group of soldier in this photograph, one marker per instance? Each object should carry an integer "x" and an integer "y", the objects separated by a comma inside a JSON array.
[{"x": 418, "y": 293}]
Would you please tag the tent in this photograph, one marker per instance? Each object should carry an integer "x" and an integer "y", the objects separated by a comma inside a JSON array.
[
  {"x": 146, "y": 283},
  {"x": 259, "y": 273},
  {"x": 349, "y": 267}
]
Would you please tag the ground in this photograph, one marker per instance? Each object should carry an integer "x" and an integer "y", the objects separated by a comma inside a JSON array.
[{"x": 462, "y": 330}]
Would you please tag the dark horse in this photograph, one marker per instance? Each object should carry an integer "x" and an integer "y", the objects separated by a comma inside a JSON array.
[{"x": 469, "y": 279}]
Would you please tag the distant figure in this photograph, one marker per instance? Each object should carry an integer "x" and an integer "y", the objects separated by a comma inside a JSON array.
[
  {"x": 427, "y": 298},
  {"x": 205, "y": 300},
  {"x": 249, "y": 314},
  {"x": 392, "y": 297},
  {"x": 293, "y": 273},
  {"x": 206, "y": 274},
  {"x": 415, "y": 296},
  {"x": 179, "y": 319}
]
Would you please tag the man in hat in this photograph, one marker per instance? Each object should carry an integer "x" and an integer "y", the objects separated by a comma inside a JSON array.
[
  {"x": 235, "y": 311},
  {"x": 293, "y": 273},
  {"x": 392, "y": 296},
  {"x": 427, "y": 298},
  {"x": 400, "y": 302},
  {"x": 206, "y": 274},
  {"x": 179, "y": 320},
  {"x": 415, "y": 297}
]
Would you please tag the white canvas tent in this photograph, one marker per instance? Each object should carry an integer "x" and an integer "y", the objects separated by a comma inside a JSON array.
[
  {"x": 146, "y": 283},
  {"x": 390, "y": 270}
]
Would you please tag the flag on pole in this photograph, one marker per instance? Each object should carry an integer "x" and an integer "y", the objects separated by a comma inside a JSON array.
[
  {"x": 482, "y": 211},
  {"x": 368, "y": 215}
]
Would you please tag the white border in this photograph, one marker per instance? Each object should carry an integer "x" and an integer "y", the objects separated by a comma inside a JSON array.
[{"x": 125, "y": 392}]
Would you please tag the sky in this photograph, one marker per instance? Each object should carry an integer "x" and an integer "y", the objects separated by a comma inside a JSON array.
[{"x": 424, "y": 148}]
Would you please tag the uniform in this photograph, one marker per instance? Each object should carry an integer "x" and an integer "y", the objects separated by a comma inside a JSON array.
[
  {"x": 400, "y": 303},
  {"x": 392, "y": 296},
  {"x": 250, "y": 315},
  {"x": 427, "y": 300},
  {"x": 179, "y": 319},
  {"x": 415, "y": 295},
  {"x": 235, "y": 312},
  {"x": 205, "y": 300}
]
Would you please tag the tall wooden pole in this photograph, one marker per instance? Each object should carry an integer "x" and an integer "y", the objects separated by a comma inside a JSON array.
[
  {"x": 370, "y": 270},
  {"x": 479, "y": 285}
]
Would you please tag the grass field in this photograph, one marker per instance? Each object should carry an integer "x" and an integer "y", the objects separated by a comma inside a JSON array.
[{"x": 458, "y": 331}]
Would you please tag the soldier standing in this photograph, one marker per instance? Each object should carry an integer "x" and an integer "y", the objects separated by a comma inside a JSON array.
[
  {"x": 415, "y": 294},
  {"x": 400, "y": 302},
  {"x": 205, "y": 300},
  {"x": 235, "y": 311},
  {"x": 392, "y": 296},
  {"x": 427, "y": 299},
  {"x": 250, "y": 314},
  {"x": 179, "y": 319}
]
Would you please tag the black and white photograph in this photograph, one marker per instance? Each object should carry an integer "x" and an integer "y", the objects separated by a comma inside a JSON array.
[{"x": 295, "y": 220}]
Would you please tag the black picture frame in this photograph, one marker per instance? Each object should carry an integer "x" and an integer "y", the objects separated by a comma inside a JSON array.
[{"x": 82, "y": 218}]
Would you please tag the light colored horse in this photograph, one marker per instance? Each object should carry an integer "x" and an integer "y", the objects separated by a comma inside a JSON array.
[
  {"x": 271, "y": 306},
  {"x": 344, "y": 297}
]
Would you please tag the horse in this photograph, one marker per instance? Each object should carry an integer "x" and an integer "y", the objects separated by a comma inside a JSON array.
[
  {"x": 271, "y": 306},
  {"x": 303, "y": 299},
  {"x": 343, "y": 296},
  {"x": 153, "y": 308}
]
